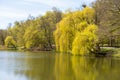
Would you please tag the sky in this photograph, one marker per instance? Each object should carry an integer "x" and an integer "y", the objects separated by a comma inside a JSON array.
[{"x": 17, "y": 10}]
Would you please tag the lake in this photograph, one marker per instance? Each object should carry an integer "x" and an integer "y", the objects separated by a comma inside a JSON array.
[{"x": 54, "y": 66}]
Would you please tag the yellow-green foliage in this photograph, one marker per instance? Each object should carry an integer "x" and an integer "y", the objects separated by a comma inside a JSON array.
[
  {"x": 76, "y": 32},
  {"x": 85, "y": 41},
  {"x": 34, "y": 33},
  {"x": 10, "y": 42},
  {"x": 33, "y": 37}
]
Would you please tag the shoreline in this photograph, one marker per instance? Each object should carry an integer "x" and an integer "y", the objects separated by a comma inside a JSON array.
[{"x": 107, "y": 51}]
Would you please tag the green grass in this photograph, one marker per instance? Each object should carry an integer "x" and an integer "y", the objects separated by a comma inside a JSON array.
[
  {"x": 114, "y": 52},
  {"x": 118, "y": 53}
]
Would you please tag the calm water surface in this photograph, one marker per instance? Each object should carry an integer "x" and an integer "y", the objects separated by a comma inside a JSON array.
[{"x": 51, "y": 66}]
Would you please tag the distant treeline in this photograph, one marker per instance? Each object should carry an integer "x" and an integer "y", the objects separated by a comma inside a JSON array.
[
  {"x": 34, "y": 33},
  {"x": 41, "y": 33}
]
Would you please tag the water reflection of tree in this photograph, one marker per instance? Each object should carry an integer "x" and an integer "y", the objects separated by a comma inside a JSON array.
[
  {"x": 86, "y": 68},
  {"x": 38, "y": 67},
  {"x": 66, "y": 67},
  {"x": 108, "y": 69},
  {"x": 95, "y": 68},
  {"x": 63, "y": 68}
]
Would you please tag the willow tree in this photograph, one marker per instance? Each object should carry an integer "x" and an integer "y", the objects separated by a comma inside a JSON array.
[
  {"x": 76, "y": 32},
  {"x": 33, "y": 36},
  {"x": 10, "y": 42}
]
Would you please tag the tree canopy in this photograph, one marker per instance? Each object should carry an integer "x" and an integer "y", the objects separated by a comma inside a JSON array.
[
  {"x": 10, "y": 42},
  {"x": 107, "y": 19},
  {"x": 36, "y": 33},
  {"x": 76, "y": 32}
]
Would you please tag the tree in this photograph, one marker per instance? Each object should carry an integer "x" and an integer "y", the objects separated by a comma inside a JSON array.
[
  {"x": 107, "y": 19},
  {"x": 76, "y": 32},
  {"x": 48, "y": 23},
  {"x": 3, "y": 34},
  {"x": 33, "y": 37},
  {"x": 10, "y": 42},
  {"x": 36, "y": 32}
]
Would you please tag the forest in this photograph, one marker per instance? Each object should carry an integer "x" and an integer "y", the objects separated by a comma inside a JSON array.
[{"x": 80, "y": 32}]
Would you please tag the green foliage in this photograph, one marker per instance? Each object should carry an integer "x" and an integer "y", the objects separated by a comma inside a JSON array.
[
  {"x": 10, "y": 42},
  {"x": 3, "y": 34},
  {"x": 85, "y": 41},
  {"x": 76, "y": 32},
  {"x": 36, "y": 33},
  {"x": 33, "y": 37}
]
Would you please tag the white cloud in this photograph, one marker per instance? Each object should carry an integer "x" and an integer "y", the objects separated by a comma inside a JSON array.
[
  {"x": 6, "y": 11},
  {"x": 10, "y": 12},
  {"x": 10, "y": 15},
  {"x": 62, "y": 4},
  {"x": 19, "y": 10},
  {"x": 56, "y": 3}
]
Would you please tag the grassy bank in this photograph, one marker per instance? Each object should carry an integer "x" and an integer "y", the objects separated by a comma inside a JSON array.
[
  {"x": 111, "y": 51},
  {"x": 4, "y": 48},
  {"x": 107, "y": 51},
  {"x": 117, "y": 54}
]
